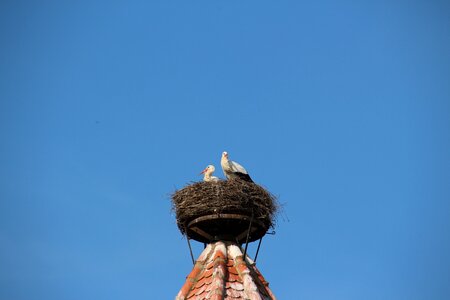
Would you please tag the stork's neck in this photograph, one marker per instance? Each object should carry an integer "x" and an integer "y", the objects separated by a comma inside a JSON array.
[
  {"x": 207, "y": 175},
  {"x": 224, "y": 161}
]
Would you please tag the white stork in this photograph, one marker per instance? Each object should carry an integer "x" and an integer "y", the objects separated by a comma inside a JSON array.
[
  {"x": 208, "y": 174},
  {"x": 233, "y": 170}
]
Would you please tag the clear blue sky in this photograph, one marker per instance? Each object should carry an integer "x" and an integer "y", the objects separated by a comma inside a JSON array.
[{"x": 341, "y": 108}]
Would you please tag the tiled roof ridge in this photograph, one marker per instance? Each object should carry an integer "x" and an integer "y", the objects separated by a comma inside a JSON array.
[
  {"x": 199, "y": 266},
  {"x": 253, "y": 280},
  {"x": 222, "y": 273}
]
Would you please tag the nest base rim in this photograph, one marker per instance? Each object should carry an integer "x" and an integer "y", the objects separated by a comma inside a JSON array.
[{"x": 232, "y": 227}]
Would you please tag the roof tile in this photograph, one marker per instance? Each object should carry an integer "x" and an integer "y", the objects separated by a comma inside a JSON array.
[{"x": 221, "y": 273}]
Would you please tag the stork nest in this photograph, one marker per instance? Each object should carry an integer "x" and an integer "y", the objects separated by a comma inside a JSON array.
[{"x": 224, "y": 197}]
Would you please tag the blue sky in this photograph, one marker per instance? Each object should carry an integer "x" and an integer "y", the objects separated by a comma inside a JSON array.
[{"x": 340, "y": 108}]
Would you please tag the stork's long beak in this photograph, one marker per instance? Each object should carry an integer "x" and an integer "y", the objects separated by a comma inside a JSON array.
[{"x": 204, "y": 171}]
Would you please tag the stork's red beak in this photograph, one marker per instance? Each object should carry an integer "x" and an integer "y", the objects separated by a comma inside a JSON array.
[{"x": 204, "y": 171}]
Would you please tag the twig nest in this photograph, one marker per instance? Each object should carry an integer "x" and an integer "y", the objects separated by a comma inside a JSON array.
[{"x": 224, "y": 197}]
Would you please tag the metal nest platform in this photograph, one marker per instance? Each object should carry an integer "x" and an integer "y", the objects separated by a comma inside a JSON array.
[
  {"x": 232, "y": 210},
  {"x": 226, "y": 227}
]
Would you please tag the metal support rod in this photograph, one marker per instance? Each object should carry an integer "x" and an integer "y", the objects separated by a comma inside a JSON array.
[
  {"x": 189, "y": 244},
  {"x": 190, "y": 249},
  {"x": 257, "y": 250},
  {"x": 248, "y": 236}
]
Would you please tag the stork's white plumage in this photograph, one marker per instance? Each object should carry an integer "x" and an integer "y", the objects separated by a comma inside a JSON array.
[
  {"x": 233, "y": 170},
  {"x": 208, "y": 174}
]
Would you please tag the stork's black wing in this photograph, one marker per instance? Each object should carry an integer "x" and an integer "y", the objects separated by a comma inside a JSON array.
[{"x": 243, "y": 176}]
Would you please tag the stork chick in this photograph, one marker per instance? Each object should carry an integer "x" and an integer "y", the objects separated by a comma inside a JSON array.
[{"x": 208, "y": 174}]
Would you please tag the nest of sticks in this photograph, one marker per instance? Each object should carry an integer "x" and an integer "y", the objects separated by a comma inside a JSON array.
[{"x": 224, "y": 197}]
